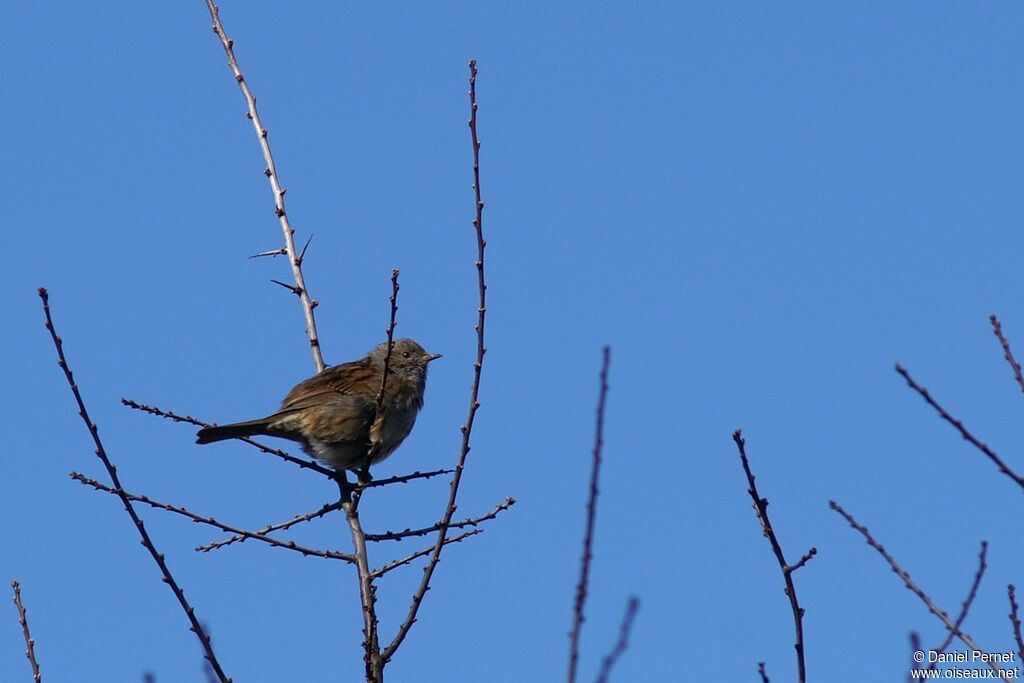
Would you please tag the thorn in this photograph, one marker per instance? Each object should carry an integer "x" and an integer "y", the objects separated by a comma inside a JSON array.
[
  {"x": 303, "y": 254},
  {"x": 292, "y": 288},
  {"x": 273, "y": 252}
]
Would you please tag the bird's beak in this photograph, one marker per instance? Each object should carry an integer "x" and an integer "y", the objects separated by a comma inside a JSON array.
[{"x": 431, "y": 356}]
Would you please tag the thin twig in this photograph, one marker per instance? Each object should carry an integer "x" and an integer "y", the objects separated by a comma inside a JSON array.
[
  {"x": 401, "y": 479},
  {"x": 308, "y": 304},
  {"x": 622, "y": 643},
  {"x": 30, "y": 643},
  {"x": 588, "y": 534},
  {"x": 377, "y": 573},
  {"x": 281, "y": 526},
  {"x": 960, "y": 427},
  {"x": 763, "y": 673},
  {"x": 210, "y": 521},
  {"x": 474, "y": 394},
  {"x": 907, "y": 581},
  {"x": 968, "y": 601},
  {"x": 761, "y": 508},
  {"x": 350, "y": 504},
  {"x": 997, "y": 328},
  {"x": 915, "y": 666},
  {"x": 188, "y": 419},
  {"x": 391, "y": 341},
  {"x": 472, "y": 521},
  {"x": 168, "y": 578},
  {"x": 1015, "y": 620}
]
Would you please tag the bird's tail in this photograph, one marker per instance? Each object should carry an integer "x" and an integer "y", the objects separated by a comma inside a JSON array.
[{"x": 232, "y": 431}]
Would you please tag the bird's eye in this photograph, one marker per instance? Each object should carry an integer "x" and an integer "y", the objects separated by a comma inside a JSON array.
[{"x": 406, "y": 355}]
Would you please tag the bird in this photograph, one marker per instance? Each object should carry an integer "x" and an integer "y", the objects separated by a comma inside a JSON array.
[{"x": 336, "y": 415}]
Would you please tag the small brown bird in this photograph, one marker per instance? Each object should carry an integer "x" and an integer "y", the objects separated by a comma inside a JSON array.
[{"x": 334, "y": 414}]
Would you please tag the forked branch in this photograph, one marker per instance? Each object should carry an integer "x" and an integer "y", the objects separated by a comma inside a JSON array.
[
  {"x": 968, "y": 601},
  {"x": 761, "y": 508},
  {"x": 908, "y": 582}
]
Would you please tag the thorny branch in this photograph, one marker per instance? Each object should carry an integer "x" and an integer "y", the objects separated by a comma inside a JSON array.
[
  {"x": 374, "y": 657},
  {"x": 300, "y": 289},
  {"x": 761, "y": 508},
  {"x": 168, "y": 578}
]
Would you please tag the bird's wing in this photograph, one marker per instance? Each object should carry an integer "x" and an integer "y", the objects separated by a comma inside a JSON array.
[{"x": 355, "y": 378}]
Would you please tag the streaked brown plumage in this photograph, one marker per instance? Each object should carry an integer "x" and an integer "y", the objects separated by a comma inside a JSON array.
[{"x": 334, "y": 414}]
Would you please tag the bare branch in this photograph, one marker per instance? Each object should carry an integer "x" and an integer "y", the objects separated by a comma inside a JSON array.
[
  {"x": 1015, "y": 620},
  {"x": 968, "y": 601},
  {"x": 210, "y": 521},
  {"x": 623, "y": 642},
  {"x": 1007, "y": 353},
  {"x": 101, "y": 453},
  {"x": 473, "y": 521},
  {"x": 401, "y": 479},
  {"x": 376, "y": 573},
  {"x": 275, "y": 185},
  {"x": 804, "y": 559},
  {"x": 761, "y": 508},
  {"x": 915, "y": 647},
  {"x": 588, "y": 533},
  {"x": 30, "y": 643},
  {"x": 763, "y": 674},
  {"x": 298, "y": 519},
  {"x": 907, "y": 581},
  {"x": 391, "y": 339},
  {"x": 960, "y": 427},
  {"x": 474, "y": 394},
  {"x": 367, "y": 592},
  {"x": 188, "y": 419}
]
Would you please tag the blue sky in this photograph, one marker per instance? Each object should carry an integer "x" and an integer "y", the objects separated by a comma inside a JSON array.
[{"x": 759, "y": 207}]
